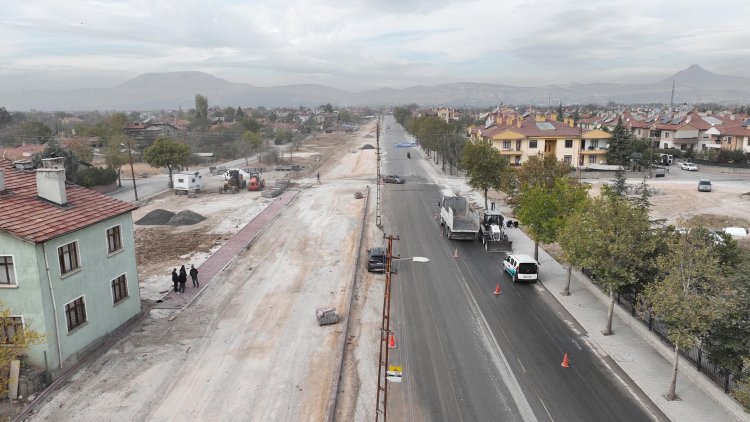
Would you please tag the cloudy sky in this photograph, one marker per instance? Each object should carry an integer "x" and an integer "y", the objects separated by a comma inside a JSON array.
[{"x": 361, "y": 44}]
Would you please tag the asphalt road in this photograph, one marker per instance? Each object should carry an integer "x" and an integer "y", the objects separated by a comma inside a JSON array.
[{"x": 466, "y": 354}]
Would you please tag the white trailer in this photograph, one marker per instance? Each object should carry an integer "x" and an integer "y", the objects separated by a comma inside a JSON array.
[{"x": 187, "y": 181}]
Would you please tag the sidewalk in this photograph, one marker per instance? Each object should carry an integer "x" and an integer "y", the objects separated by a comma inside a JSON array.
[
  {"x": 640, "y": 354},
  {"x": 216, "y": 263}
]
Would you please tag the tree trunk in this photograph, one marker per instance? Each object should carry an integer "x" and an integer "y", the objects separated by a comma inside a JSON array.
[
  {"x": 170, "y": 177},
  {"x": 536, "y": 250},
  {"x": 485, "y": 199},
  {"x": 119, "y": 182},
  {"x": 566, "y": 290},
  {"x": 610, "y": 312},
  {"x": 671, "y": 395}
]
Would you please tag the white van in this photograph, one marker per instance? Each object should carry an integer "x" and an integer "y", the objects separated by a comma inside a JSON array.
[{"x": 521, "y": 268}]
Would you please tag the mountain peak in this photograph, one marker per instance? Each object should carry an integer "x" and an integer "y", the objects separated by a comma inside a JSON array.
[{"x": 172, "y": 78}]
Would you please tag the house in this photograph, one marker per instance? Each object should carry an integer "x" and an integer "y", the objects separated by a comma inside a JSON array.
[
  {"x": 67, "y": 263},
  {"x": 448, "y": 114}
]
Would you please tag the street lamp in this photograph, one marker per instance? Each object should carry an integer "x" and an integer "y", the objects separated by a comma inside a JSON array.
[
  {"x": 132, "y": 172},
  {"x": 385, "y": 329}
]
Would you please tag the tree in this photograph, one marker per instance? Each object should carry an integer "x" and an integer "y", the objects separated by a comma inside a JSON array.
[
  {"x": 560, "y": 113},
  {"x": 82, "y": 150},
  {"x": 541, "y": 170},
  {"x": 5, "y": 117},
  {"x": 201, "y": 106},
  {"x": 53, "y": 149},
  {"x": 690, "y": 296},
  {"x": 252, "y": 141},
  {"x": 16, "y": 339},
  {"x": 239, "y": 114},
  {"x": 620, "y": 146},
  {"x": 37, "y": 130},
  {"x": 484, "y": 166},
  {"x": 543, "y": 210},
  {"x": 613, "y": 238},
  {"x": 115, "y": 157},
  {"x": 166, "y": 153},
  {"x": 229, "y": 114}
]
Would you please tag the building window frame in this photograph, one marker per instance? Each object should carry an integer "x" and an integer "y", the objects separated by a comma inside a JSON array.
[
  {"x": 506, "y": 145},
  {"x": 68, "y": 258},
  {"x": 75, "y": 313},
  {"x": 8, "y": 331},
  {"x": 568, "y": 159},
  {"x": 592, "y": 159},
  {"x": 8, "y": 276},
  {"x": 533, "y": 143},
  {"x": 119, "y": 287},
  {"x": 114, "y": 239},
  {"x": 568, "y": 143}
]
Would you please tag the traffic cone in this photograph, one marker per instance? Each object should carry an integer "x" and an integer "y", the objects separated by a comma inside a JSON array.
[
  {"x": 392, "y": 341},
  {"x": 565, "y": 363},
  {"x": 455, "y": 254},
  {"x": 434, "y": 216},
  {"x": 497, "y": 290}
]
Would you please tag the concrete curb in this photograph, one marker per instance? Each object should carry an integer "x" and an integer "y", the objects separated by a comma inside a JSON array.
[{"x": 333, "y": 394}]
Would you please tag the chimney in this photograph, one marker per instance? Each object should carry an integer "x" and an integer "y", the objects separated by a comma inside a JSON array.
[
  {"x": 519, "y": 121},
  {"x": 2, "y": 182},
  {"x": 50, "y": 180}
]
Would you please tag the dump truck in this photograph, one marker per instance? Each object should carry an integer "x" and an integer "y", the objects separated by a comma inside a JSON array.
[
  {"x": 457, "y": 218},
  {"x": 255, "y": 181},
  {"x": 491, "y": 231}
]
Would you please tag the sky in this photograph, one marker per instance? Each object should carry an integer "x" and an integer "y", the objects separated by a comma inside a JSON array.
[{"x": 363, "y": 44}]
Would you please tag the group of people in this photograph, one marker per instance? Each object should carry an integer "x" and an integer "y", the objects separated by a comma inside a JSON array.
[
  {"x": 511, "y": 223},
  {"x": 179, "y": 280}
]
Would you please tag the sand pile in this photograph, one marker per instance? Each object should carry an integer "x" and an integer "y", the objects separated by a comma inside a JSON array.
[
  {"x": 185, "y": 218},
  {"x": 155, "y": 218},
  {"x": 367, "y": 146}
]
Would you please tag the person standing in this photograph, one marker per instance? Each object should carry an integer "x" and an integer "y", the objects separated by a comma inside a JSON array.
[
  {"x": 183, "y": 279},
  {"x": 318, "y": 176},
  {"x": 194, "y": 276},
  {"x": 175, "y": 279}
]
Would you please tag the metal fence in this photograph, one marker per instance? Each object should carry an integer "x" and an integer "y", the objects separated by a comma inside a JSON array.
[{"x": 694, "y": 355}]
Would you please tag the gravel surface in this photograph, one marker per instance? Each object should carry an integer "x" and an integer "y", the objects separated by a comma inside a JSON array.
[
  {"x": 156, "y": 217},
  {"x": 185, "y": 218}
]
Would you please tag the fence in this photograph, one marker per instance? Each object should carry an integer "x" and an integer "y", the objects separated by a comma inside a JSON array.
[{"x": 694, "y": 355}]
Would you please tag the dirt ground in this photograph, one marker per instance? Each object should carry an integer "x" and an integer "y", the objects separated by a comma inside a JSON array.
[{"x": 249, "y": 348}]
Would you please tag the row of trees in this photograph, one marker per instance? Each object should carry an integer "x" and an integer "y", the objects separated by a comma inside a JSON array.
[
  {"x": 444, "y": 141},
  {"x": 693, "y": 281}
]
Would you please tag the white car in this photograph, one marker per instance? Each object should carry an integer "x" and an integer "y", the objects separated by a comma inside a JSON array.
[{"x": 689, "y": 167}]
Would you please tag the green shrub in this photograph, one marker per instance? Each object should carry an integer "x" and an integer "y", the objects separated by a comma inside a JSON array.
[{"x": 95, "y": 176}]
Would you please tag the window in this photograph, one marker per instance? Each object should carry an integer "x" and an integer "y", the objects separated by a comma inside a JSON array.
[
  {"x": 532, "y": 144},
  {"x": 506, "y": 145},
  {"x": 518, "y": 160},
  {"x": 75, "y": 313},
  {"x": 568, "y": 159},
  {"x": 568, "y": 143},
  {"x": 594, "y": 143},
  {"x": 68, "y": 257},
  {"x": 7, "y": 271},
  {"x": 119, "y": 288},
  {"x": 114, "y": 239},
  {"x": 666, "y": 135},
  {"x": 592, "y": 159},
  {"x": 11, "y": 326}
]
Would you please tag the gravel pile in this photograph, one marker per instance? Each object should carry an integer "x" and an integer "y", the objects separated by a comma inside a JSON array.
[
  {"x": 368, "y": 146},
  {"x": 185, "y": 218},
  {"x": 368, "y": 136},
  {"x": 155, "y": 218}
]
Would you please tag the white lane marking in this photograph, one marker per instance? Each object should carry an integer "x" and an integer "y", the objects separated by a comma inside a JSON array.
[{"x": 499, "y": 359}]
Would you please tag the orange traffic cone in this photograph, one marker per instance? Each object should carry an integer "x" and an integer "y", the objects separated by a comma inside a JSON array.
[
  {"x": 565, "y": 363},
  {"x": 392, "y": 341},
  {"x": 497, "y": 290},
  {"x": 455, "y": 254}
]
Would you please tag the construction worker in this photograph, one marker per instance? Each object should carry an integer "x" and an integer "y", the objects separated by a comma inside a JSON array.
[{"x": 318, "y": 176}]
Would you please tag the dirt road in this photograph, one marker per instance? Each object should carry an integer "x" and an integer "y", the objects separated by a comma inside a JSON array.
[{"x": 250, "y": 347}]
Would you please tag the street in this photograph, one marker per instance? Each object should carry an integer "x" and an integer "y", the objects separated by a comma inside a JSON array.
[{"x": 468, "y": 354}]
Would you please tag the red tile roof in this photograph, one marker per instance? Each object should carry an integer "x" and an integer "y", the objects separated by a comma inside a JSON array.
[{"x": 24, "y": 215}]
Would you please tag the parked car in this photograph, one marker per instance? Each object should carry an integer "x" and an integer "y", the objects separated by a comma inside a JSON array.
[
  {"x": 392, "y": 178},
  {"x": 704, "y": 185},
  {"x": 376, "y": 260},
  {"x": 689, "y": 167}
]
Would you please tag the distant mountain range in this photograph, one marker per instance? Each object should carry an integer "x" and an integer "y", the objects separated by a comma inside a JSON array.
[{"x": 154, "y": 91}]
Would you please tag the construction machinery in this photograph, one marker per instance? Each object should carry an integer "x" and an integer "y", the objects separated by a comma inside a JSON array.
[
  {"x": 255, "y": 181},
  {"x": 233, "y": 181},
  {"x": 491, "y": 231},
  {"x": 457, "y": 218},
  {"x": 326, "y": 316}
]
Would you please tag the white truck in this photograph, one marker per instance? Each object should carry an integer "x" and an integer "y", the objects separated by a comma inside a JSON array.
[
  {"x": 457, "y": 217},
  {"x": 187, "y": 181}
]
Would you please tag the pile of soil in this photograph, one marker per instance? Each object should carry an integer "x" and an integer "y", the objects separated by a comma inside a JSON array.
[
  {"x": 156, "y": 217},
  {"x": 185, "y": 218},
  {"x": 367, "y": 136},
  {"x": 367, "y": 146}
]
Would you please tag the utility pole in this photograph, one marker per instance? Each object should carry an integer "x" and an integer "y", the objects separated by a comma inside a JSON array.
[
  {"x": 378, "y": 221},
  {"x": 132, "y": 172},
  {"x": 385, "y": 331}
]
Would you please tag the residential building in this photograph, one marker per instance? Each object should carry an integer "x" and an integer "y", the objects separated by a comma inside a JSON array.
[{"x": 67, "y": 262}]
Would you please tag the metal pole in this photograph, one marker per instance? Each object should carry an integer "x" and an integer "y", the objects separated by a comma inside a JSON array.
[
  {"x": 378, "y": 221},
  {"x": 385, "y": 331},
  {"x": 132, "y": 172}
]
